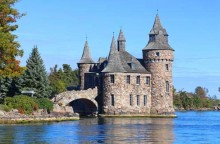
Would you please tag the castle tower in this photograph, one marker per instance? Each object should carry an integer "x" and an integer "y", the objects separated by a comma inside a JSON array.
[
  {"x": 84, "y": 65},
  {"x": 121, "y": 41},
  {"x": 158, "y": 58},
  {"x": 111, "y": 75}
]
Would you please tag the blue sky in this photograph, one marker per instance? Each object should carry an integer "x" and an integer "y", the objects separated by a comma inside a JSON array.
[{"x": 59, "y": 29}]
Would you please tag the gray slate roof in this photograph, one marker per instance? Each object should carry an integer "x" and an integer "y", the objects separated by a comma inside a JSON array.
[
  {"x": 158, "y": 46},
  {"x": 158, "y": 27},
  {"x": 122, "y": 61},
  {"x": 114, "y": 62},
  {"x": 86, "y": 57},
  {"x": 121, "y": 36},
  {"x": 127, "y": 60},
  {"x": 158, "y": 37}
]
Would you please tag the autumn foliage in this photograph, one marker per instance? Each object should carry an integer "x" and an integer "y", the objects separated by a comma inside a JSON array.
[{"x": 9, "y": 47}]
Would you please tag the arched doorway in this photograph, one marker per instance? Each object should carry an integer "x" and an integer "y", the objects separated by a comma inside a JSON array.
[{"x": 84, "y": 107}]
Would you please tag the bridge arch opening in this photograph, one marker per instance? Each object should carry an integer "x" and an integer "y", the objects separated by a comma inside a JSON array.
[{"x": 84, "y": 107}]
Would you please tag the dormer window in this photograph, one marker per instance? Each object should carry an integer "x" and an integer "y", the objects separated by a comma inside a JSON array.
[
  {"x": 152, "y": 38},
  {"x": 132, "y": 66},
  {"x": 157, "y": 53}
]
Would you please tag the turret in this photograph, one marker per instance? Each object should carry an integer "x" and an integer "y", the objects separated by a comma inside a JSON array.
[
  {"x": 114, "y": 62},
  {"x": 121, "y": 41},
  {"x": 85, "y": 64},
  {"x": 158, "y": 59}
]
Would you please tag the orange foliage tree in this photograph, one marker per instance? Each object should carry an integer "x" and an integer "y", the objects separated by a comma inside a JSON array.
[{"x": 9, "y": 47}]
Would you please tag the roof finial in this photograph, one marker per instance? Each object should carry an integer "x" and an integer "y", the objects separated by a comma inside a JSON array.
[
  {"x": 113, "y": 34},
  {"x": 86, "y": 37},
  {"x": 157, "y": 11}
]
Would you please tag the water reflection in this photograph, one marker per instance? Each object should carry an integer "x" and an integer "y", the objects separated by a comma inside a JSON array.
[
  {"x": 92, "y": 130},
  {"x": 127, "y": 130}
]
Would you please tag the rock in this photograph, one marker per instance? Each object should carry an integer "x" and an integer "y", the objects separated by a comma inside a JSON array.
[
  {"x": 69, "y": 109},
  {"x": 2, "y": 113}
]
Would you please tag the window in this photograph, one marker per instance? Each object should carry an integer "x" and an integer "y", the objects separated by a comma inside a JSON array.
[
  {"x": 138, "y": 80},
  {"x": 131, "y": 100},
  {"x": 148, "y": 80},
  {"x": 91, "y": 81},
  {"x": 112, "y": 78},
  {"x": 167, "y": 67},
  {"x": 112, "y": 100},
  {"x": 133, "y": 66},
  {"x": 145, "y": 100},
  {"x": 128, "y": 79},
  {"x": 138, "y": 100},
  {"x": 167, "y": 86},
  {"x": 157, "y": 54}
]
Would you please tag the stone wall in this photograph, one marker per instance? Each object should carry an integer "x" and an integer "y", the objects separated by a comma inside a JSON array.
[
  {"x": 122, "y": 91},
  {"x": 62, "y": 100},
  {"x": 83, "y": 68},
  {"x": 162, "y": 100}
]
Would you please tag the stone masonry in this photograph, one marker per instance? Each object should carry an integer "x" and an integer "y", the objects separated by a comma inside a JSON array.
[{"x": 125, "y": 84}]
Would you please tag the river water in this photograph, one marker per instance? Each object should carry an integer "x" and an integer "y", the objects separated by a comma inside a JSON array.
[{"x": 189, "y": 127}]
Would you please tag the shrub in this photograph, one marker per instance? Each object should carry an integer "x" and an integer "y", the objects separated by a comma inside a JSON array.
[
  {"x": 4, "y": 108},
  {"x": 24, "y": 104},
  {"x": 44, "y": 103}
]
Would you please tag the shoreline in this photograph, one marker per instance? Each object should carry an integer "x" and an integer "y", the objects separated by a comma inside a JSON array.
[
  {"x": 138, "y": 116},
  {"x": 16, "y": 120}
]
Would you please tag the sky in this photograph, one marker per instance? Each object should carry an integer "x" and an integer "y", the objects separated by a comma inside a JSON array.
[{"x": 59, "y": 29}]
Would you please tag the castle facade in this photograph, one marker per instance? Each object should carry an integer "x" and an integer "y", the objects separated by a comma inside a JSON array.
[{"x": 128, "y": 85}]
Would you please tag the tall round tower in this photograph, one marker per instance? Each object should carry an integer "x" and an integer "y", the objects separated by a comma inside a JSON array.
[
  {"x": 158, "y": 58},
  {"x": 84, "y": 65}
]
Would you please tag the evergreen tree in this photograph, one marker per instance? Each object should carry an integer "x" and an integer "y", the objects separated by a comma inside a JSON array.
[
  {"x": 63, "y": 78},
  {"x": 35, "y": 76},
  {"x": 56, "y": 81}
]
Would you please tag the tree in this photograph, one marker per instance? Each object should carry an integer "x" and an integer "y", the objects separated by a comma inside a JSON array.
[
  {"x": 35, "y": 76},
  {"x": 63, "y": 78},
  {"x": 58, "y": 85},
  {"x": 201, "y": 92},
  {"x": 9, "y": 47}
]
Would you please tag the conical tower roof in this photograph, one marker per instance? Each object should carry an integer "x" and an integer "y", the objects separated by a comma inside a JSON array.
[
  {"x": 121, "y": 36},
  {"x": 114, "y": 62},
  {"x": 158, "y": 37},
  {"x": 86, "y": 57},
  {"x": 158, "y": 27}
]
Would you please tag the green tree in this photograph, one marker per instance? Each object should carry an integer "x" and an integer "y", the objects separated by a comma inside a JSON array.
[
  {"x": 35, "y": 76},
  {"x": 9, "y": 47},
  {"x": 197, "y": 102},
  {"x": 201, "y": 92},
  {"x": 186, "y": 100},
  {"x": 63, "y": 78}
]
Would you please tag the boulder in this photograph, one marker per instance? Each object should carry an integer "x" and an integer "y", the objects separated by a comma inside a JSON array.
[{"x": 2, "y": 113}]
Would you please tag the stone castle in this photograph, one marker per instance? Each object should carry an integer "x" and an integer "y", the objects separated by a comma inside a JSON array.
[{"x": 128, "y": 85}]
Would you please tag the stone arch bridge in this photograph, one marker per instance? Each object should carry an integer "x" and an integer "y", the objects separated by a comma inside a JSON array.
[{"x": 82, "y": 102}]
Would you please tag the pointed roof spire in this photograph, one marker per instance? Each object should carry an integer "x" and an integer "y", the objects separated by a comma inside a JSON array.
[
  {"x": 113, "y": 45},
  {"x": 157, "y": 26},
  {"x": 114, "y": 61},
  {"x": 86, "y": 57},
  {"x": 158, "y": 37},
  {"x": 121, "y": 36}
]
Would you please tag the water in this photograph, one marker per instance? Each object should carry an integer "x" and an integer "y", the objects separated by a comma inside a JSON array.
[{"x": 189, "y": 127}]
